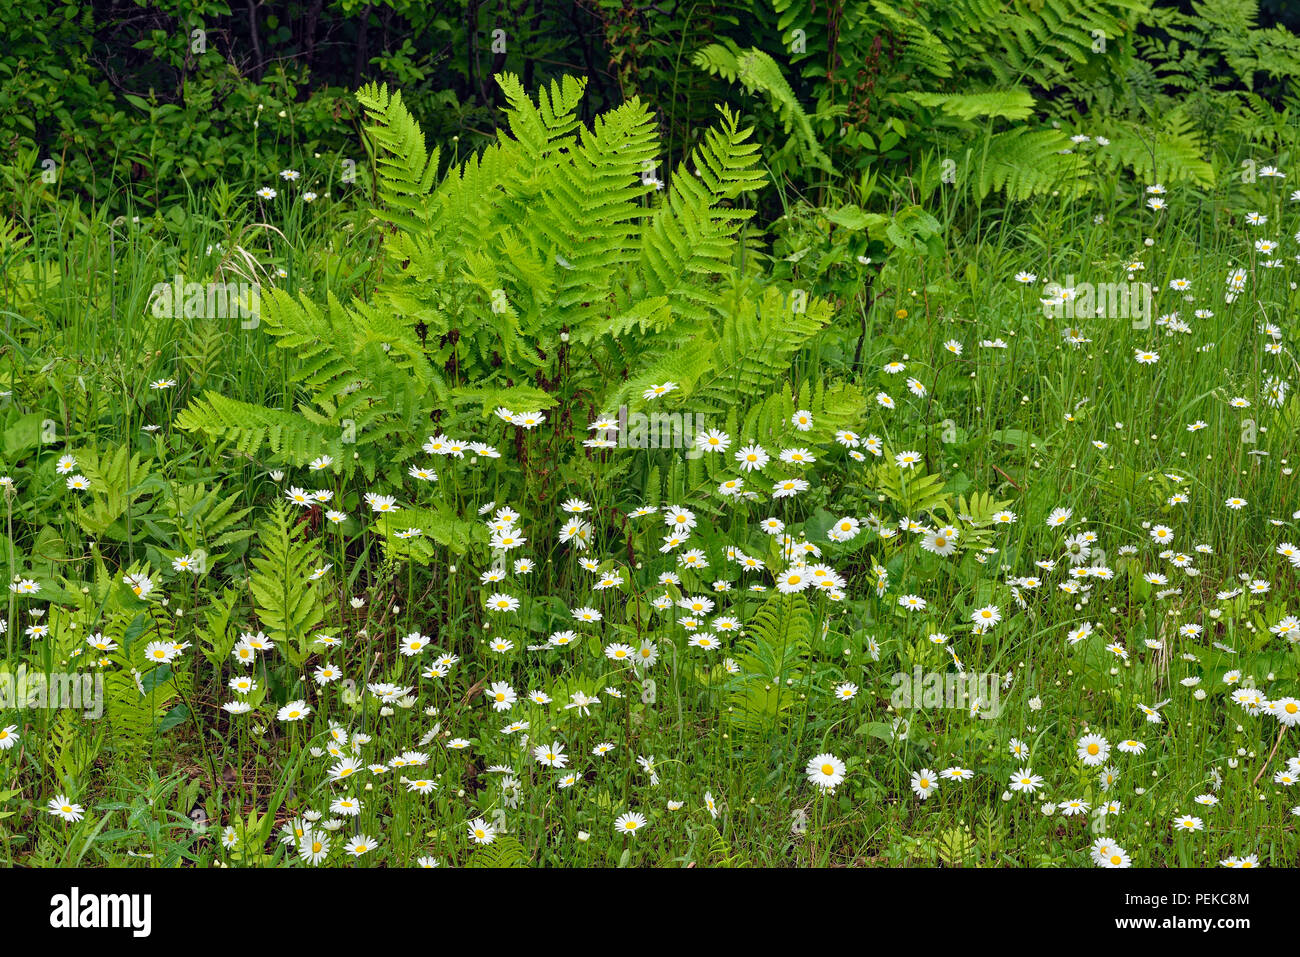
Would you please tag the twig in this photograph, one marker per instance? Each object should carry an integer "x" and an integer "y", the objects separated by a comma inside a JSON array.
[
  {"x": 1007, "y": 477},
  {"x": 1280, "y": 732}
]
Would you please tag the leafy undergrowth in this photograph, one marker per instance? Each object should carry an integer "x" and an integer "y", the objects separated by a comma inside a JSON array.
[{"x": 598, "y": 540}]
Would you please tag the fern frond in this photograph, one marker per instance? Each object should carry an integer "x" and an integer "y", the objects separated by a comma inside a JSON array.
[
  {"x": 289, "y": 605},
  {"x": 692, "y": 236},
  {"x": 1012, "y": 104},
  {"x": 1170, "y": 152},
  {"x": 251, "y": 428},
  {"x": 757, "y": 72},
  {"x": 405, "y": 170}
]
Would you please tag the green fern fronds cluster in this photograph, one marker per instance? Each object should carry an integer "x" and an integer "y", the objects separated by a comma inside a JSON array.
[
  {"x": 559, "y": 265},
  {"x": 368, "y": 377},
  {"x": 1012, "y": 54}
]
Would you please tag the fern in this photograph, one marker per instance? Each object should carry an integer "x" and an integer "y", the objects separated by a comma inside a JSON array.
[
  {"x": 921, "y": 51},
  {"x": 584, "y": 284},
  {"x": 504, "y": 852},
  {"x": 117, "y": 485},
  {"x": 1046, "y": 42},
  {"x": 1170, "y": 152},
  {"x": 289, "y": 606},
  {"x": 217, "y": 632},
  {"x": 1215, "y": 66},
  {"x": 1012, "y": 104},
  {"x": 757, "y": 72},
  {"x": 200, "y": 517},
  {"x": 406, "y": 169},
  {"x": 692, "y": 236},
  {"x": 250, "y": 428},
  {"x": 1023, "y": 162},
  {"x": 757, "y": 345},
  {"x": 134, "y": 711},
  {"x": 716, "y": 852},
  {"x": 368, "y": 377},
  {"x": 438, "y": 524},
  {"x": 773, "y": 660},
  {"x": 68, "y": 751}
]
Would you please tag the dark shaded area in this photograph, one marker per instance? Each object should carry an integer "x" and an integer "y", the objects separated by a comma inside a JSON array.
[{"x": 170, "y": 95}]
